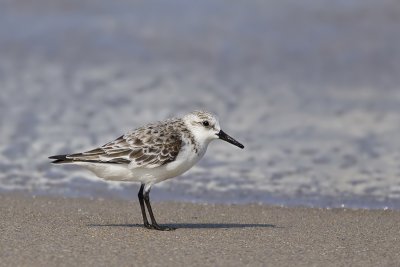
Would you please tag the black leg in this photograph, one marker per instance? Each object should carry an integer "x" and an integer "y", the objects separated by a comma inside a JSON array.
[
  {"x": 154, "y": 224},
  {"x": 141, "y": 201}
]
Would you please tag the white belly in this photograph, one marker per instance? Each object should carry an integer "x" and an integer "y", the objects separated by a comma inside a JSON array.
[{"x": 121, "y": 172}]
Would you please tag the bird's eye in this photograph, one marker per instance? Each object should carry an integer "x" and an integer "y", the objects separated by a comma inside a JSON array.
[{"x": 206, "y": 123}]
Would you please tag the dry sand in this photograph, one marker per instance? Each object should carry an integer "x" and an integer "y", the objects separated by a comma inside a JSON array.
[{"x": 49, "y": 231}]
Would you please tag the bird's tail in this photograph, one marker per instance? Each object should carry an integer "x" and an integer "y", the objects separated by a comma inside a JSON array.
[{"x": 58, "y": 159}]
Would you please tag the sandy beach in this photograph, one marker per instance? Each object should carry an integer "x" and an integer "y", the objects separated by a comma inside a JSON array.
[
  {"x": 311, "y": 88},
  {"x": 55, "y": 231}
]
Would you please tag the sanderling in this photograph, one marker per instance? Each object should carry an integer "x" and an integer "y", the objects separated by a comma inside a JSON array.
[{"x": 152, "y": 153}]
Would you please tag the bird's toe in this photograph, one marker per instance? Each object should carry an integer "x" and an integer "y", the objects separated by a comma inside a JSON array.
[{"x": 159, "y": 227}]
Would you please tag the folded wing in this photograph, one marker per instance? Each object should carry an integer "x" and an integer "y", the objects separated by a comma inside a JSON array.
[{"x": 146, "y": 147}]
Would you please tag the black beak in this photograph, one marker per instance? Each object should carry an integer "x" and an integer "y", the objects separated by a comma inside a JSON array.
[{"x": 223, "y": 136}]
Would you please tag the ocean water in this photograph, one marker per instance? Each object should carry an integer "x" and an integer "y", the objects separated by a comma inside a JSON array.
[{"x": 311, "y": 88}]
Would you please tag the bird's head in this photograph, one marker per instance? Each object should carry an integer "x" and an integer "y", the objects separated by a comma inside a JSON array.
[{"x": 205, "y": 127}]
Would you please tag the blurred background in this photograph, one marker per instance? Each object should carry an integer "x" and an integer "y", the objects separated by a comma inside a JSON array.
[{"x": 311, "y": 88}]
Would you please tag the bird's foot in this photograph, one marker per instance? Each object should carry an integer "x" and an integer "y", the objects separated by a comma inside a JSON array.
[{"x": 155, "y": 226}]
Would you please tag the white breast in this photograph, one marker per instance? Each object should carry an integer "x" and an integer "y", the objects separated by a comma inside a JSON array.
[
  {"x": 186, "y": 158},
  {"x": 184, "y": 161}
]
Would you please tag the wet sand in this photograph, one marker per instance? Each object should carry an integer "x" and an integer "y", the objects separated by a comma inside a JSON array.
[{"x": 50, "y": 231}]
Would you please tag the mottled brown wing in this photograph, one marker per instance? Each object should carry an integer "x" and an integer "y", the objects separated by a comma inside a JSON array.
[{"x": 146, "y": 148}]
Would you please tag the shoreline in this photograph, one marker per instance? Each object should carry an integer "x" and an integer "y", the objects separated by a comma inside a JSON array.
[
  {"x": 161, "y": 195},
  {"x": 39, "y": 231}
]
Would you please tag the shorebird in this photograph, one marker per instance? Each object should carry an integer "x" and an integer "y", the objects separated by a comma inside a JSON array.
[{"x": 152, "y": 154}]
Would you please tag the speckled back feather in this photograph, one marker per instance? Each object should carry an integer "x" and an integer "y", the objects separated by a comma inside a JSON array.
[{"x": 149, "y": 146}]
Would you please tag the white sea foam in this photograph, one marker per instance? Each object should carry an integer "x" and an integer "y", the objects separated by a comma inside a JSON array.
[{"x": 314, "y": 132}]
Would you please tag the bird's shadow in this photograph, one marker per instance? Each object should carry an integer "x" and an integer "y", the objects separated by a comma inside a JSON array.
[{"x": 195, "y": 225}]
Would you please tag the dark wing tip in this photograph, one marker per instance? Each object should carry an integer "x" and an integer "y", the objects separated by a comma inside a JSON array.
[{"x": 59, "y": 159}]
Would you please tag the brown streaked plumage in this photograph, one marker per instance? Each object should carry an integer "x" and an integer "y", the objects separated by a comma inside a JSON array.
[{"x": 149, "y": 146}]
